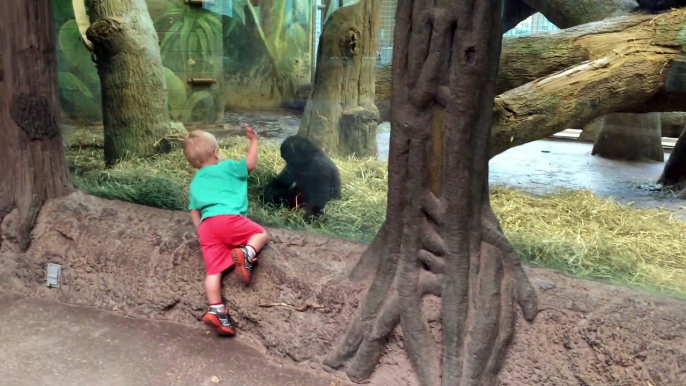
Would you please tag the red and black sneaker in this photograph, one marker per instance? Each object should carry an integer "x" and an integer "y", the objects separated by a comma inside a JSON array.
[
  {"x": 243, "y": 263},
  {"x": 221, "y": 322}
]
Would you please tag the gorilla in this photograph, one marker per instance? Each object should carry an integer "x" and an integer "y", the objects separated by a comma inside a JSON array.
[
  {"x": 310, "y": 179},
  {"x": 657, "y": 6}
]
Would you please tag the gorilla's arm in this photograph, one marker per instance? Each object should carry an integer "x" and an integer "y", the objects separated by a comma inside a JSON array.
[
  {"x": 285, "y": 179},
  {"x": 319, "y": 184},
  {"x": 278, "y": 191}
]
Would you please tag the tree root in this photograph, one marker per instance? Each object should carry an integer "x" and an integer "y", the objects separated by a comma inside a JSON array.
[{"x": 500, "y": 276}]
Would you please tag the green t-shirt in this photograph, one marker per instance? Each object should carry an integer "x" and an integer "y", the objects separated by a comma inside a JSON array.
[{"x": 220, "y": 189}]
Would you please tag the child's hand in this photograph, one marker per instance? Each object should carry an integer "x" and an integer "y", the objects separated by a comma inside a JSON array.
[{"x": 249, "y": 132}]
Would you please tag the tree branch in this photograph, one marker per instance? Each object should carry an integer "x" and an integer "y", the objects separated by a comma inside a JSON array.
[
  {"x": 565, "y": 13},
  {"x": 574, "y": 97}
]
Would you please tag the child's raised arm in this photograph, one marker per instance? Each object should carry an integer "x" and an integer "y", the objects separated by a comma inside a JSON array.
[{"x": 251, "y": 155}]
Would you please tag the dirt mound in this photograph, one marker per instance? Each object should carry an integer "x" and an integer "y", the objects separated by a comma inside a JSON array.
[{"x": 146, "y": 262}]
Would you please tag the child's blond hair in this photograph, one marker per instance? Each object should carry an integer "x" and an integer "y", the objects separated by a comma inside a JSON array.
[{"x": 198, "y": 147}]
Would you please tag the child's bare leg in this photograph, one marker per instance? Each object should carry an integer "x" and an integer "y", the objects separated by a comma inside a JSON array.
[
  {"x": 213, "y": 288},
  {"x": 258, "y": 241}
]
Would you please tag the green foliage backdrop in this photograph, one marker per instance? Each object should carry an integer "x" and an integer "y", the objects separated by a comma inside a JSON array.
[{"x": 265, "y": 45}]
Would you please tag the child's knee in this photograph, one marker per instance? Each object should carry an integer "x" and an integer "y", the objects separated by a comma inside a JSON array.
[{"x": 266, "y": 236}]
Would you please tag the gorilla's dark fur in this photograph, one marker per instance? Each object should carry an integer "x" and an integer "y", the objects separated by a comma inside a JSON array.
[
  {"x": 657, "y": 6},
  {"x": 309, "y": 180}
]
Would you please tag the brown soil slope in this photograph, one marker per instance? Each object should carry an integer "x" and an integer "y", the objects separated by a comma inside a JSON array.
[{"x": 145, "y": 262}]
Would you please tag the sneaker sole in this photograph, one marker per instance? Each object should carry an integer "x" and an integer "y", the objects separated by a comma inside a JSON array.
[
  {"x": 214, "y": 323},
  {"x": 238, "y": 259}
]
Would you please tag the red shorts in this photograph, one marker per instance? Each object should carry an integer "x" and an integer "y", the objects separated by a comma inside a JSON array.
[{"x": 219, "y": 235}]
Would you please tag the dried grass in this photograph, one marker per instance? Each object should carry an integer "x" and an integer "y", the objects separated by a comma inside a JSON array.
[{"x": 575, "y": 232}]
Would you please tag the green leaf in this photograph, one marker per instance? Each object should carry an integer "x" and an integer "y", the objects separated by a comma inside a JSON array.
[
  {"x": 239, "y": 10},
  {"x": 71, "y": 82},
  {"x": 203, "y": 39},
  {"x": 70, "y": 43},
  {"x": 185, "y": 38},
  {"x": 213, "y": 20},
  {"x": 168, "y": 40},
  {"x": 210, "y": 35},
  {"x": 62, "y": 11},
  {"x": 176, "y": 93}
]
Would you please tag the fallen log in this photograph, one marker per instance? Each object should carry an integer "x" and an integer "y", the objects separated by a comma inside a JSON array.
[
  {"x": 632, "y": 65},
  {"x": 145, "y": 262},
  {"x": 574, "y": 97},
  {"x": 544, "y": 72},
  {"x": 526, "y": 58}
]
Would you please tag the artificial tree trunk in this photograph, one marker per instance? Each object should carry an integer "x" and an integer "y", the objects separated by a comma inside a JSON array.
[
  {"x": 31, "y": 150},
  {"x": 340, "y": 116},
  {"x": 514, "y": 12},
  {"x": 134, "y": 93},
  {"x": 592, "y": 129},
  {"x": 673, "y": 124},
  {"x": 630, "y": 137},
  {"x": 448, "y": 242}
]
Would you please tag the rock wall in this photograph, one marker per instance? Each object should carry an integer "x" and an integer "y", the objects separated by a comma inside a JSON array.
[{"x": 146, "y": 262}]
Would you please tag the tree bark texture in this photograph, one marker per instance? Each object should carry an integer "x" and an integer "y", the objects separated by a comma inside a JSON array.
[
  {"x": 654, "y": 47},
  {"x": 630, "y": 137},
  {"x": 527, "y": 58},
  {"x": 447, "y": 244},
  {"x": 592, "y": 129},
  {"x": 566, "y": 14},
  {"x": 134, "y": 93},
  {"x": 31, "y": 151},
  {"x": 524, "y": 58},
  {"x": 633, "y": 59},
  {"x": 340, "y": 116},
  {"x": 514, "y": 12},
  {"x": 673, "y": 124}
]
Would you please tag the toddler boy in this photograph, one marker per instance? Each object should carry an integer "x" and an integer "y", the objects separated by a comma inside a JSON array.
[{"x": 218, "y": 206}]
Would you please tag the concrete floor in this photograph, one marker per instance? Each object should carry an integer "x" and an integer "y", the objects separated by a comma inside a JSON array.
[
  {"x": 546, "y": 165},
  {"x": 48, "y": 343}
]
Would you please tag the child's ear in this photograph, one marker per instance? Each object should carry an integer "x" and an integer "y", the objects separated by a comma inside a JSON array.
[{"x": 216, "y": 152}]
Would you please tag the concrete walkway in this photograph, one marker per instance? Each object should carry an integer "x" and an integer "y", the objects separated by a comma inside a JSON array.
[{"x": 48, "y": 343}]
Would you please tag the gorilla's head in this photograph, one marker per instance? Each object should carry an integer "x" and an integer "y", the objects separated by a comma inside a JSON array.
[{"x": 298, "y": 150}]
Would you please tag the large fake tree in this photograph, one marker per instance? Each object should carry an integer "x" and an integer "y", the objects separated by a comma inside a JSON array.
[
  {"x": 31, "y": 151},
  {"x": 441, "y": 238},
  {"x": 340, "y": 115},
  {"x": 126, "y": 51}
]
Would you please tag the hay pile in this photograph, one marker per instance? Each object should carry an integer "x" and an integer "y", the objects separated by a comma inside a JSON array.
[{"x": 575, "y": 232}]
